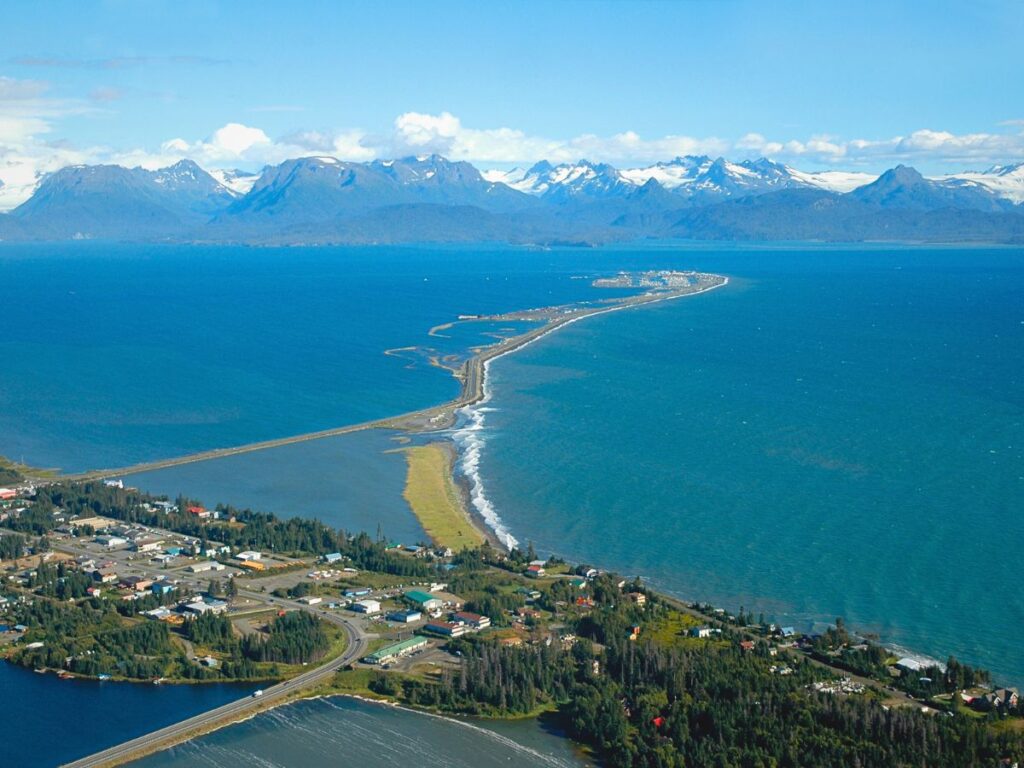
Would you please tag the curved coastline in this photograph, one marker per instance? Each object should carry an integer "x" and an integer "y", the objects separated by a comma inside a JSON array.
[
  {"x": 467, "y": 437},
  {"x": 472, "y": 377}
]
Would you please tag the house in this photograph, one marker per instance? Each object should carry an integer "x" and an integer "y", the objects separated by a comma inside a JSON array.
[
  {"x": 369, "y": 607},
  {"x": 147, "y": 544},
  {"x": 578, "y": 582},
  {"x": 637, "y": 598},
  {"x": 158, "y": 614},
  {"x": 424, "y": 600},
  {"x": 114, "y": 484},
  {"x": 162, "y": 587},
  {"x": 332, "y": 557},
  {"x": 6, "y": 494},
  {"x": 404, "y": 617},
  {"x": 311, "y": 600},
  {"x": 249, "y": 554},
  {"x": 209, "y": 662},
  {"x": 474, "y": 620},
  {"x": 747, "y": 645},
  {"x": 447, "y": 628},
  {"x": 199, "y": 511},
  {"x": 137, "y": 583},
  {"x": 1001, "y": 699},
  {"x": 172, "y": 551},
  {"x": 700, "y": 632},
  {"x": 535, "y": 571},
  {"x": 105, "y": 575},
  {"x": 358, "y": 592},
  {"x": 787, "y": 631}
]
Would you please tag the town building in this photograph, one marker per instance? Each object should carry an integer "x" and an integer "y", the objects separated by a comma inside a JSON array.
[
  {"x": 405, "y": 617},
  {"x": 111, "y": 542},
  {"x": 474, "y": 620},
  {"x": 447, "y": 628},
  {"x": 424, "y": 600},
  {"x": 211, "y": 565},
  {"x": 369, "y": 607},
  {"x": 392, "y": 653}
]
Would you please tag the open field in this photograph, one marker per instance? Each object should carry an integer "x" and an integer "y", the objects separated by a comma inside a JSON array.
[{"x": 434, "y": 499}]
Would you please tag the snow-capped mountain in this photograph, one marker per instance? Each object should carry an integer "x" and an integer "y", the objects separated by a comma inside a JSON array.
[
  {"x": 566, "y": 182},
  {"x": 110, "y": 201},
  {"x": 1005, "y": 181},
  {"x": 697, "y": 178},
  {"x": 904, "y": 188},
  {"x": 239, "y": 182},
  {"x": 324, "y": 199},
  {"x": 672, "y": 174},
  {"x": 833, "y": 181}
]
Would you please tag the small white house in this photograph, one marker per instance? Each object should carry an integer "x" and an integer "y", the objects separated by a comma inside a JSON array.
[{"x": 249, "y": 555}]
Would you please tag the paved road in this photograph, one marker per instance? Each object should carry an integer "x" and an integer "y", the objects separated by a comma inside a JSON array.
[{"x": 358, "y": 641}]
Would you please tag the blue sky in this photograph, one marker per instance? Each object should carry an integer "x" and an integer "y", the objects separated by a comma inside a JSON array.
[{"x": 816, "y": 84}]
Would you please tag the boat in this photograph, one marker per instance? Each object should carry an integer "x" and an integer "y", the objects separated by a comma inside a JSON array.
[{"x": 103, "y": 676}]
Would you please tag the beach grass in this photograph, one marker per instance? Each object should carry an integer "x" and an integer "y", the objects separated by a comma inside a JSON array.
[{"x": 434, "y": 498}]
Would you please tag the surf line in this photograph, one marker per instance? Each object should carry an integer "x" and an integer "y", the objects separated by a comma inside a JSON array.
[{"x": 468, "y": 438}]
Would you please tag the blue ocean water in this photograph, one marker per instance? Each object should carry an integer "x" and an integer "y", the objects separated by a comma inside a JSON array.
[
  {"x": 338, "y": 731},
  {"x": 115, "y": 354},
  {"x": 353, "y": 482},
  {"x": 835, "y": 433},
  {"x": 62, "y": 720}
]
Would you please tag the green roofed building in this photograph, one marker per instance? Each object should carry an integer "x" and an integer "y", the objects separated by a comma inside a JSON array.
[
  {"x": 398, "y": 650},
  {"x": 424, "y": 600}
]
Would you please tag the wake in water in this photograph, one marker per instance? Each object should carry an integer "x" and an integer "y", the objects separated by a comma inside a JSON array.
[{"x": 468, "y": 437}]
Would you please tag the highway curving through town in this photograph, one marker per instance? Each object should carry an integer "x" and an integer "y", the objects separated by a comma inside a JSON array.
[{"x": 237, "y": 710}]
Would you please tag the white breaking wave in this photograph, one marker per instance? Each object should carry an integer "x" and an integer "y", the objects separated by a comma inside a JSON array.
[{"x": 469, "y": 440}]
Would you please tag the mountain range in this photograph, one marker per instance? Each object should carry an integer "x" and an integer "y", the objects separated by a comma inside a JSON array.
[{"x": 313, "y": 200}]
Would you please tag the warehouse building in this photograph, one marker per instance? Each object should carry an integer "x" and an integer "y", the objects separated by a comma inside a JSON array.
[{"x": 397, "y": 651}]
